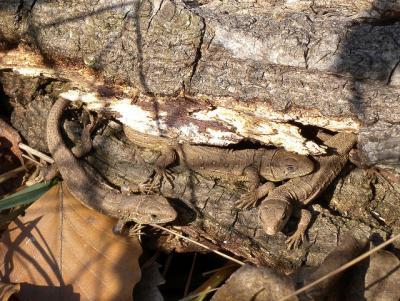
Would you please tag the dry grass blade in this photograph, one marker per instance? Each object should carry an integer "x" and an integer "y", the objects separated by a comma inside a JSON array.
[
  {"x": 36, "y": 153},
  {"x": 218, "y": 270},
  {"x": 342, "y": 268},
  {"x": 213, "y": 282},
  {"x": 189, "y": 298},
  {"x": 190, "y": 276},
  {"x": 32, "y": 160},
  {"x": 198, "y": 244}
]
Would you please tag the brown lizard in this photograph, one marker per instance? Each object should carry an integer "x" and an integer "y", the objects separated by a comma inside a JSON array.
[
  {"x": 277, "y": 207},
  {"x": 92, "y": 191},
  {"x": 248, "y": 164},
  {"x": 8, "y": 132}
]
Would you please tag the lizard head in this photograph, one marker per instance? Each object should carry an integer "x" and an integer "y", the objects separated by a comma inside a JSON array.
[
  {"x": 149, "y": 209},
  {"x": 274, "y": 215},
  {"x": 285, "y": 165}
]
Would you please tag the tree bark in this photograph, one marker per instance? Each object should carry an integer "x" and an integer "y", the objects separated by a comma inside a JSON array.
[{"x": 217, "y": 73}]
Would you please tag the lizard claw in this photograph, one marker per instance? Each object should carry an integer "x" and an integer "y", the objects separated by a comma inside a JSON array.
[
  {"x": 162, "y": 173},
  {"x": 154, "y": 184},
  {"x": 136, "y": 230},
  {"x": 168, "y": 175},
  {"x": 247, "y": 200},
  {"x": 294, "y": 241},
  {"x": 149, "y": 187}
]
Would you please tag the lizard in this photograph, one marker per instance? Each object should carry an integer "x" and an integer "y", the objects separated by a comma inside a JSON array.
[
  {"x": 92, "y": 191},
  {"x": 245, "y": 164},
  {"x": 276, "y": 209}
]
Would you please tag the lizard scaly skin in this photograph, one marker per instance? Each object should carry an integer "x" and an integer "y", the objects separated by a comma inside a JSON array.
[
  {"x": 247, "y": 164},
  {"x": 277, "y": 207},
  {"x": 94, "y": 193}
]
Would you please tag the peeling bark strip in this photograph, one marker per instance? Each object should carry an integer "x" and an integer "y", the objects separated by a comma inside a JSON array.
[
  {"x": 197, "y": 122},
  {"x": 328, "y": 64}
]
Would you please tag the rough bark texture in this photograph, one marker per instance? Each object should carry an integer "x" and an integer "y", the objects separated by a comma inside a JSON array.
[
  {"x": 206, "y": 206},
  {"x": 259, "y": 71},
  {"x": 317, "y": 62}
]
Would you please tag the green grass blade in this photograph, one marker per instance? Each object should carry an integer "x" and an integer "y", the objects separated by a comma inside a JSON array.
[{"x": 26, "y": 196}]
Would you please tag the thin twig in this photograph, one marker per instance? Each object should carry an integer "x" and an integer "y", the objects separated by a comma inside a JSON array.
[
  {"x": 35, "y": 152},
  {"x": 189, "y": 279},
  {"x": 342, "y": 268},
  {"x": 197, "y": 243},
  {"x": 12, "y": 173},
  {"x": 32, "y": 160}
]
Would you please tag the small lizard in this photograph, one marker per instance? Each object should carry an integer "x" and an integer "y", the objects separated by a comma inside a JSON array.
[
  {"x": 248, "y": 164},
  {"x": 277, "y": 207},
  {"x": 89, "y": 188}
]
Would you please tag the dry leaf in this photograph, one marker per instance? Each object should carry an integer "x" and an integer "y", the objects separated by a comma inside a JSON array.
[{"x": 65, "y": 251}]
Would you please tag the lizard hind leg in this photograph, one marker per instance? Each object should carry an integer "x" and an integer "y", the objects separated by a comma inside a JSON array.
[
  {"x": 153, "y": 184},
  {"x": 161, "y": 171}
]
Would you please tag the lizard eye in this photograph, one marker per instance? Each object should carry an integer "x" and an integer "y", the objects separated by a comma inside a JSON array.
[
  {"x": 153, "y": 216},
  {"x": 291, "y": 168}
]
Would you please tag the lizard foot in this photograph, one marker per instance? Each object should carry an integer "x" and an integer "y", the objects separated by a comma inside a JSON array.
[
  {"x": 162, "y": 173},
  {"x": 150, "y": 186},
  {"x": 121, "y": 228},
  {"x": 247, "y": 200},
  {"x": 154, "y": 184},
  {"x": 294, "y": 241},
  {"x": 136, "y": 230}
]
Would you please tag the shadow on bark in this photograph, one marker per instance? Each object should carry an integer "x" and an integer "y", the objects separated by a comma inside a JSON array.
[{"x": 355, "y": 58}]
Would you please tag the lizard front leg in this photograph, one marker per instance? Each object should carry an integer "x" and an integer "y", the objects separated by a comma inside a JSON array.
[
  {"x": 256, "y": 191},
  {"x": 299, "y": 235},
  {"x": 249, "y": 199}
]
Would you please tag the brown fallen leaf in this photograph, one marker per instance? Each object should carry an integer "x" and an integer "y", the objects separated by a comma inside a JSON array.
[{"x": 61, "y": 250}]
